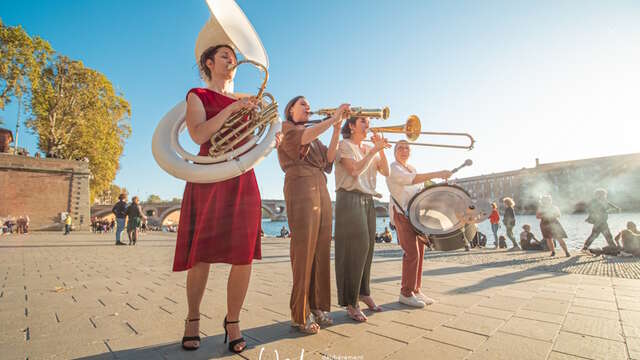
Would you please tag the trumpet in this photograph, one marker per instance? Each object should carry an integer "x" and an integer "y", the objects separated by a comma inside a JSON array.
[
  {"x": 353, "y": 111},
  {"x": 412, "y": 129}
]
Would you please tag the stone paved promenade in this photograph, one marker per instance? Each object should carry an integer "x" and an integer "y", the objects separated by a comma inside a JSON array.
[{"x": 81, "y": 297}]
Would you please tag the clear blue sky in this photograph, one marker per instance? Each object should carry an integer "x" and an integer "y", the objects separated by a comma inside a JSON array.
[{"x": 554, "y": 80}]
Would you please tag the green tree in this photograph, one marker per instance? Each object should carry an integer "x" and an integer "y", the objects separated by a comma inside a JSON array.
[
  {"x": 153, "y": 199},
  {"x": 110, "y": 195},
  {"x": 77, "y": 115},
  {"x": 22, "y": 59}
]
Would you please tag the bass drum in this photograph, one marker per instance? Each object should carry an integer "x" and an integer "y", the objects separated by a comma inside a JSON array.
[{"x": 444, "y": 213}]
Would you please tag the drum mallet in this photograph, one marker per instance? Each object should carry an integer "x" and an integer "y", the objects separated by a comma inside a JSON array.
[{"x": 467, "y": 162}]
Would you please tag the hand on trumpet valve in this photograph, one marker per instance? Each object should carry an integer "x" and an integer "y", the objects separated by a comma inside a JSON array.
[
  {"x": 341, "y": 113},
  {"x": 379, "y": 142}
]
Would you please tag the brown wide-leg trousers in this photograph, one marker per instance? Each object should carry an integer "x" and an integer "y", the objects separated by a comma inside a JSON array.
[
  {"x": 309, "y": 213},
  {"x": 413, "y": 255}
]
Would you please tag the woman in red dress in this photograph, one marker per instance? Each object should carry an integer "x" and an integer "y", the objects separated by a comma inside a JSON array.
[{"x": 219, "y": 222}]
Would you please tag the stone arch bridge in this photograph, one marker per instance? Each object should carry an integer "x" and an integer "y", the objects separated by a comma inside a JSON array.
[{"x": 275, "y": 210}]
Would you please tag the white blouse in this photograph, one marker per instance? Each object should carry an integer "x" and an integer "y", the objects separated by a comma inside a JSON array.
[
  {"x": 366, "y": 181},
  {"x": 401, "y": 187}
]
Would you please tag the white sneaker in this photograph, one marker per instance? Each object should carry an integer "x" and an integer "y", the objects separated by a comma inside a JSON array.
[
  {"x": 411, "y": 301},
  {"x": 424, "y": 298}
]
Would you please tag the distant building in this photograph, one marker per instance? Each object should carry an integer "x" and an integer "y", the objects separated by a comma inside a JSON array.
[{"x": 570, "y": 183}]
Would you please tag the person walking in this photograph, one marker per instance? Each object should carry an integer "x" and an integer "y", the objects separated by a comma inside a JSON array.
[
  {"x": 599, "y": 209},
  {"x": 67, "y": 224},
  {"x": 494, "y": 218},
  {"x": 120, "y": 212},
  {"x": 550, "y": 225},
  {"x": 135, "y": 217},
  {"x": 509, "y": 220}
]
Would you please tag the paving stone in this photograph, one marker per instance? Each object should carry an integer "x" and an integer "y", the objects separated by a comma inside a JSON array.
[
  {"x": 631, "y": 317},
  {"x": 633, "y": 345},
  {"x": 607, "y": 314},
  {"x": 626, "y": 303},
  {"x": 397, "y": 331},
  {"x": 474, "y": 323},
  {"x": 456, "y": 337},
  {"x": 489, "y": 312},
  {"x": 463, "y": 301},
  {"x": 630, "y": 330},
  {"x": 502, "y": 303},
  {"x": 554, "y": 355},
  {"x": 596, "y": 304},
  {"x": 425, "y": 348},
  {"x": 558, "y": 307},
  {"x": 369, "y": 347},
  {"x": 593, "y": 326},
  {"x": 589, "y": 346},
  {"x": 531, "y": 328},
  {"x": 541, "y": 316},
  {"x": 507, "y": 346},
  {"x": 423, "y": 319}
]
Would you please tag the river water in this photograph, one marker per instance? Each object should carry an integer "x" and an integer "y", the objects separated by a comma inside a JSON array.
[{"x": 575, "y": 226}]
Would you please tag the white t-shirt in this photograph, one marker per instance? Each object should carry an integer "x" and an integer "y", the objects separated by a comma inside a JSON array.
[
  {"x": 366, "y": 181},
  {"x": 401, "y": 187}
]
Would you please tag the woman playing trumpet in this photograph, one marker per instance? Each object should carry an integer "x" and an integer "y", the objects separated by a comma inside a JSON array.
[
  {"x": 305, "y": 160},
  {"x": 356, "y": 170}
]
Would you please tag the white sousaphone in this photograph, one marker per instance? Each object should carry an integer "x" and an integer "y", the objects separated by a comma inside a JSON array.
[{"x": 243, "y": 141}]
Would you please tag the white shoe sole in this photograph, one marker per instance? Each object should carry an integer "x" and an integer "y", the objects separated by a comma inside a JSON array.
[{"x": 406, "y": 301}]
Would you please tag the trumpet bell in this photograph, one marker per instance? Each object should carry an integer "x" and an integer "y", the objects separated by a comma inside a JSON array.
[{"x": 412, "y": 129}]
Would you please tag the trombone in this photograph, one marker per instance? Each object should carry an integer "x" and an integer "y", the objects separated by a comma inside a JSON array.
[
  {"x": 354, "y": 111},
  {"x": 412, "y": 129}
]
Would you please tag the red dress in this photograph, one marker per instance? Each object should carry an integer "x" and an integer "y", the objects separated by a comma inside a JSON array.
[{"x": 219, "y": 222}]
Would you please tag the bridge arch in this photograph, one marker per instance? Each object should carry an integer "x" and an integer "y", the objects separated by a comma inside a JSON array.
[{"x": 168, "y": 211}]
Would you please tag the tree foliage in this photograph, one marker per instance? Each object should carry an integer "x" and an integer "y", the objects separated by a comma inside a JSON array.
[
  {"x": 74, "y": 110},
  {"x": 154, "y": 199},
  {"x": 21, "y": 61},
  {"x": 110, "y": 195},
  {"x": 78, "y": 115}
]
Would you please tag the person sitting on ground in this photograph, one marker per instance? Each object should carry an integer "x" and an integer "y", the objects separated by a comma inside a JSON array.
[
  {"x": 284, "y": 232},
  {"x": 502, "y": 242},
  {"x": 386, "y": 236},
  {"x": 528, "y": 241},
  {"x": 378, "y": 238},
  {"x": 630, "y": 238}
]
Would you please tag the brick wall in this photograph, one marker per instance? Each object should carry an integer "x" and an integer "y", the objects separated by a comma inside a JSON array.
[{"x": 44, "y": 188}]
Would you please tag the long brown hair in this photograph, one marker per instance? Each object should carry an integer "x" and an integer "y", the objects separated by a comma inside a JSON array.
[{"x": 287, "y": 109}]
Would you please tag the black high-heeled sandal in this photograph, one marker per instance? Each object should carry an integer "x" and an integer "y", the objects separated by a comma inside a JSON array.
[
  {"x": 232, "y": 343},
  {"x": 190, "y": 338}
]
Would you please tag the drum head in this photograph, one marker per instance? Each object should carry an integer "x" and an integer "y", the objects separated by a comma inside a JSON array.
[{"x": 439, "y": 209}]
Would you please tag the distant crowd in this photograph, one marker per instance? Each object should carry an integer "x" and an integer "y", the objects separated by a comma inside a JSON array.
[{"x": 627, "y": 241}]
